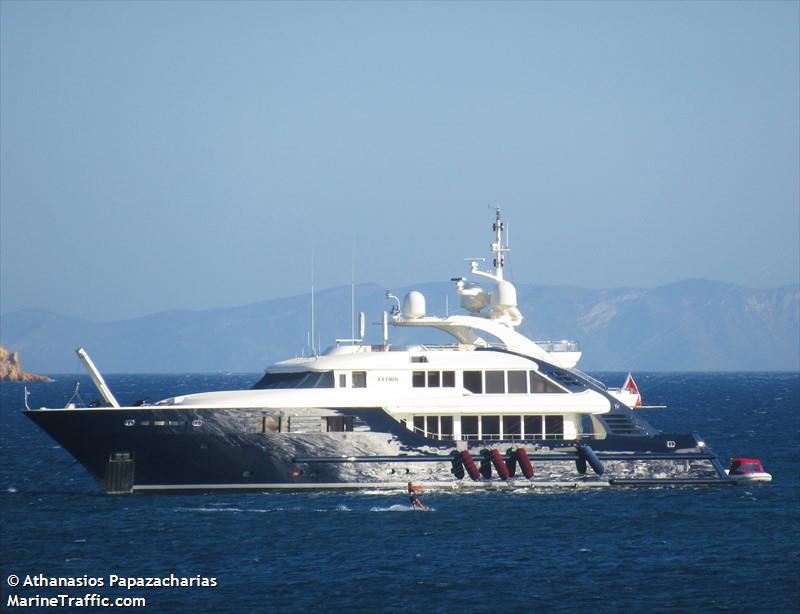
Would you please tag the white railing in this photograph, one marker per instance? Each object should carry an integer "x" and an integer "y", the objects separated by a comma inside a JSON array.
[{"x": 559, "y": 346}]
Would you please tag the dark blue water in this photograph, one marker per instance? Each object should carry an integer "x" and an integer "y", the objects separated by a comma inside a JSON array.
[{"x": 643, "y": 550}]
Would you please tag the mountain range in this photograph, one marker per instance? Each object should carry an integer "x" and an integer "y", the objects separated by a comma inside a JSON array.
[{"x": 692, "y": 325}]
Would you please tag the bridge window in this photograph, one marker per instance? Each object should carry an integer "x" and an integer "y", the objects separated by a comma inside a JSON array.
[
  {"x": 517, "y": 382},
  {"x": 433, "y": 379},
  {"x": 301, "y": 379},
  {"x": 418, "y": 379},
  {"x": 495, "y": 382},
  {"x": 540, "y": 384},
  {"x": 473, "y": 381}
]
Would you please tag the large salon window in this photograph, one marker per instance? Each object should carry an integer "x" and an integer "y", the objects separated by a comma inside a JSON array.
[
  {"x": 511, "y": 427},
  {"x": 446, "y": 427},
  {"x": 473, "y": 381},
  {"x": 490, "y": 427},
  {"x": 448, "y": 379},
  {"x": 432, "y": 426},
  {"x": 469, "y": 427},
  {"x": 302, "y": 379},
  {"x": 517, "y": 382},
  {"x": 495, "y": 382},
  {"x": 533, "y": 427},
  {"x": 554, "y": 427}
]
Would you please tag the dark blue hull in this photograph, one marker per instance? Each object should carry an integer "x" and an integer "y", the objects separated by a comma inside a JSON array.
[{"x": 160, "y": 449}]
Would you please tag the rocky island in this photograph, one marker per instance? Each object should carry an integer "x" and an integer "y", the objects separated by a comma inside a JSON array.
[{"x": 11, "y": 370}]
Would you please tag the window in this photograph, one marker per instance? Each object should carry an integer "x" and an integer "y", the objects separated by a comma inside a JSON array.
[
  {"x": 433, "y": 379},
  {"x": 495, "y": 382},
  {"x": 540, "y": 384},
  {"x": 446, "y": 427},
  {"x": 419, "y": 359},
  {"x": 342, "y": 380},
  {"x": 270, "y": 424},
  {"x": 469, "y": 427},
  {"x": 338, "y": 424},
  {"x": 418, "y": 379},
  {"x": 473, "y": 381},
  {"x": 554, "y": 427},
  {"x": 511, "y": 427},
  {"x": 517, "y": 382},
  {"x": 301, "y": 379},
  {"x": 533, "y": 427},
  {"x": 448, "y": 379},
  {"x": 432, "y": 426},
  {"x": 419, "y": 423},
  {"x": 490, "y": 427},
  {"x": 587, "y": 429},
  {"x": 359, "y": 379}
]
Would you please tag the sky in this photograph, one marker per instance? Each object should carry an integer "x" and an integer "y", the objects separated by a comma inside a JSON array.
[{"x": 158, "y": 156}]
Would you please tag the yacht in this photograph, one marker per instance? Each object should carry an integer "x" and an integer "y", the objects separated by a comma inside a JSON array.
[{"x": 491, "y": 410}]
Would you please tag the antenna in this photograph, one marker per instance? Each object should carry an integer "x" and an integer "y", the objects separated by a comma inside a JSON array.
[
  {"x": 353, "y": 290},
  {"x": 312, "y": 344},
  {"x": 497, "y": 247}
]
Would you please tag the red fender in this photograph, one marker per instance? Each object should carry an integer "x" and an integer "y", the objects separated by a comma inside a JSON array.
[
  {"x": 525, "y": 463},
  {"x": 499, "y": 464},
  {"x": 470, "y": 465}
]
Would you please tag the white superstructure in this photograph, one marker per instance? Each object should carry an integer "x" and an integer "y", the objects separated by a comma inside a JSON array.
[{"x": 490, "y": 372}]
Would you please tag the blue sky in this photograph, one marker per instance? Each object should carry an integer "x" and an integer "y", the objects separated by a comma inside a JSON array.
[{"x": 188, "y": 155}]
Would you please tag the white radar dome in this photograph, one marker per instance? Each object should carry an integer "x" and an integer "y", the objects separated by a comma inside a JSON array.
[
  {"x": 504, "y": 295},
  {"x": 414, "y": 305},
  {"x": 473, "y": 298}
]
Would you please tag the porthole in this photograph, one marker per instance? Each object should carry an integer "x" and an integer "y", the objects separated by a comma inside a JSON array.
[
  {"x": 129, "y": 422},
  {"x": 197, "y": 422}
]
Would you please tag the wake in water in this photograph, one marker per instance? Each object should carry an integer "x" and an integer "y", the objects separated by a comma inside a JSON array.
[{"x": 397, "y": 507}]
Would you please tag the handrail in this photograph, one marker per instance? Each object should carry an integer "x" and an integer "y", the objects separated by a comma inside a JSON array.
[{"x": 596, "y": 382}]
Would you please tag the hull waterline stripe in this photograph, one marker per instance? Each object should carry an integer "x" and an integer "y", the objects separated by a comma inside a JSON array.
[
  {"x": 511, "y": 484},
  {"x": 486, "y": 485},
  {"x": 551, "y": 456}
]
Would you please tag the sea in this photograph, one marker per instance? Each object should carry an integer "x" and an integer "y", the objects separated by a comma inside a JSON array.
[{"x": 655, "y": 549}]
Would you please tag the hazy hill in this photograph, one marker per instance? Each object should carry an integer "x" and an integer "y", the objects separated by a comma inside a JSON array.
[{"x": 689, "y": 325}]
